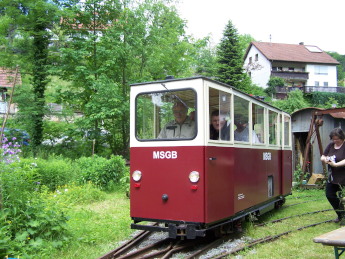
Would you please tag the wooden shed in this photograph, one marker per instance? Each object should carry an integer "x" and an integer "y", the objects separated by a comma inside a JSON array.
[{"x": 300, "y": 125}]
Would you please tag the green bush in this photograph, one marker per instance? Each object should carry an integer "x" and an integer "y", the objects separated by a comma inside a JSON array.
[
  {"x": 101, "y": 171},
  {"x": 125, "y": 180},
  {"x": 319, "y": 99},
  {"x": 29, "y": 219},
  {"x": 54, "y": 172}
]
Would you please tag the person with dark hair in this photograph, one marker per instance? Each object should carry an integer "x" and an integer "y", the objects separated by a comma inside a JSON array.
[
  {"x": 334, "y": 156},
  {"x": 214, "y": 127},
  {"x": 242, "y": 132}
]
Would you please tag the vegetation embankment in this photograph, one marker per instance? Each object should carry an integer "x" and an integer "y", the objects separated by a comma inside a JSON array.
[{"x": 51, "y": 207}]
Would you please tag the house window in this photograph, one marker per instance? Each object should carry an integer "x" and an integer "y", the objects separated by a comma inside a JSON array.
[
  {"x": 256, "y": 57},
  {"x": 291, "y": 69},
  {"x": 250, "y": 60},
  {"x": 250, "y": 74},
  {"x": 325, "y": 83},
  {"x": 303, "y": 69},
  {"x": 320, "y": 70},
  {"x": 317, "y": 83}
]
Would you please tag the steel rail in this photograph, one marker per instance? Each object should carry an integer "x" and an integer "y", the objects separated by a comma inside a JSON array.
[
  {"x": 267, "y": 239},
  {"x": 281, "y": 219},
  {"x": 127, "y": 245},
  {"x": 300, "y": 203}
]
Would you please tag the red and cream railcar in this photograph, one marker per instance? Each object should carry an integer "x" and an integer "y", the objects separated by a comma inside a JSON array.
[{"x": 195, "y": 183}]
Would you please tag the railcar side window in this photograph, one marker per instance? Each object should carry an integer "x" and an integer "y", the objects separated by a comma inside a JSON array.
[
  {"x": 241, "y": 120},
  {"x": 286, "y": 131},
  {"x": 258, "y": 113},
  {"x": 166, "y": 115},
  {"x": 220, "y": 105},
  {"x": 273, "y": 121}
]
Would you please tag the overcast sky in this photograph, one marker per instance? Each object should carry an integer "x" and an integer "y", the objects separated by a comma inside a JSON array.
[{"x": 320, "y": 23}]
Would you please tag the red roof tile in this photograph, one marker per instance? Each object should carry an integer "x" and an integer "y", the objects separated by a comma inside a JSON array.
[
  {"x": 7, "y": 76},
  {"x": 291, "y": 53}
]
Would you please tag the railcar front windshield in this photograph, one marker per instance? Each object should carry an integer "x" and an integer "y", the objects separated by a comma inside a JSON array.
[{"x": 166, "y": 115}]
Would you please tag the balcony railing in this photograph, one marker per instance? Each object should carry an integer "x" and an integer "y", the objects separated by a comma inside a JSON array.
[
  {"x": 291, "y": 75},
  {"x": 311, "y": 89}
]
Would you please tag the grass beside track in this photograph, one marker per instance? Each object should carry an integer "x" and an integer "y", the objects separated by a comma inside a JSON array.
[
  {"x": 298, "y": 244},
  {"x": 98, "y": 228}
]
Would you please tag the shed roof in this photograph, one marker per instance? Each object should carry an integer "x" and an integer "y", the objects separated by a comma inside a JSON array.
[
  {"x": 335, "y": 114},
  {"x": 292, "y": 53},
  {"x": 7, "y": 76}
]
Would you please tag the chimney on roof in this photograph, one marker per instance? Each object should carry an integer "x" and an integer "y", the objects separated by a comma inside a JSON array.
[{"x": 301, "y": 43}]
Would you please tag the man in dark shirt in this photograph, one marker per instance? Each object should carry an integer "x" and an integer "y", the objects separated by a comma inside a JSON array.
[{"x": 214, "y": 127}]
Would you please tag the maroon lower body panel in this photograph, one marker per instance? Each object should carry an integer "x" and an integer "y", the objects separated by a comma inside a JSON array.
[
  {"x": 165, "y": 172},
  {"x": 232, "y": 180}
]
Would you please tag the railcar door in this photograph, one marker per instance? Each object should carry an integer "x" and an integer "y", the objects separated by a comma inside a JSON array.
[{"x": 219, "y": 183}]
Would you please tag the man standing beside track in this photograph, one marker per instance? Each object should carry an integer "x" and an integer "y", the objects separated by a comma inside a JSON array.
[{"x": 182, "y": 127}]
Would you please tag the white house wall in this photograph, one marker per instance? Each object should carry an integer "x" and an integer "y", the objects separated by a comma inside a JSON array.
[
  {"x": 331, "y": 76},
  {"x": 259, "y": 77}
]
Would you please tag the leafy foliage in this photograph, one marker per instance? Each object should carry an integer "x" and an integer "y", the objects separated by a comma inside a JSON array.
[
  {"x": 293, "y": 102},
  {"x": 30, "y": 221},
  {"x": 319, "y": 99},
  {"x": 101, "y": 171},
  {"x": 139, "y": 41},
  {"x": 341, "y": 67},
  {"x": 54, "y": 172},
  {"x": 30, "y": 20},
  {"x": 272, "y": 83}
]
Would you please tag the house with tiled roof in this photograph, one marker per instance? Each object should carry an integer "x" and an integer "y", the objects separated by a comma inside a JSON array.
[
  {"x": 6, "y": 84},
  {"x": 298, "y": 64}
]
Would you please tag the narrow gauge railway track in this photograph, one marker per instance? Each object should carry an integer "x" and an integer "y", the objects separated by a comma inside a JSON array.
[
  {"x": 279, "y": 220},
  {"x": 167, "y": 247},
  {"x": 286, "y": 206},
  {"x": 164, "y": 248}
]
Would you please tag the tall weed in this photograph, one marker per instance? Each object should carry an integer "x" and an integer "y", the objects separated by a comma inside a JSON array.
[
  {"x": 101, "y": 171},
  {"x": 54, "y": 172}
]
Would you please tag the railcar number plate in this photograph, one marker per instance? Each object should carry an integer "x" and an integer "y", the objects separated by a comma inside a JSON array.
[{"x": 267, "y": 156}]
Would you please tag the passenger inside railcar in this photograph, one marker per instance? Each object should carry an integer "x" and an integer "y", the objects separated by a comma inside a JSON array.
[
  {"x": 242, "y": 131},
  {"x": 219, "y": 125},
  {"x": 183, "y": 126}
]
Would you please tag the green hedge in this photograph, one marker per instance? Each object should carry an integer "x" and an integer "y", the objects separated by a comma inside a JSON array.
[
  {"x": 101, "y": 171},
  {"x": 320, "y": 98}
]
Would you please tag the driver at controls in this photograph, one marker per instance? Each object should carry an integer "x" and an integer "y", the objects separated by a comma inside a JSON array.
[{"x": 181, "y": 127}]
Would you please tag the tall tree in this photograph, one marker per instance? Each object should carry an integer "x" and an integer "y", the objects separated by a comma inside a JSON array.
[
  {"x": 115, "y": 43},
  {"x": 229, "y": 59},
  {"x": 31, "y": 20}
]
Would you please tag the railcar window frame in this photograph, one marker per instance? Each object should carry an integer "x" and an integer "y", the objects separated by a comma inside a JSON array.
[
  {"x": 263, "y": 124},
  {"x": 277, "y": 135},
  {"x": 221, "y": 115},
  {"x": 167, "y": 91},
  {"x": 288, "y": 132}
]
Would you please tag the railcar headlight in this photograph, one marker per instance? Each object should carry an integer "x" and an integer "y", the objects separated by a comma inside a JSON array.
[
  {"x": 194, "y": 176},
  {"x": 136, "y": 175}
]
